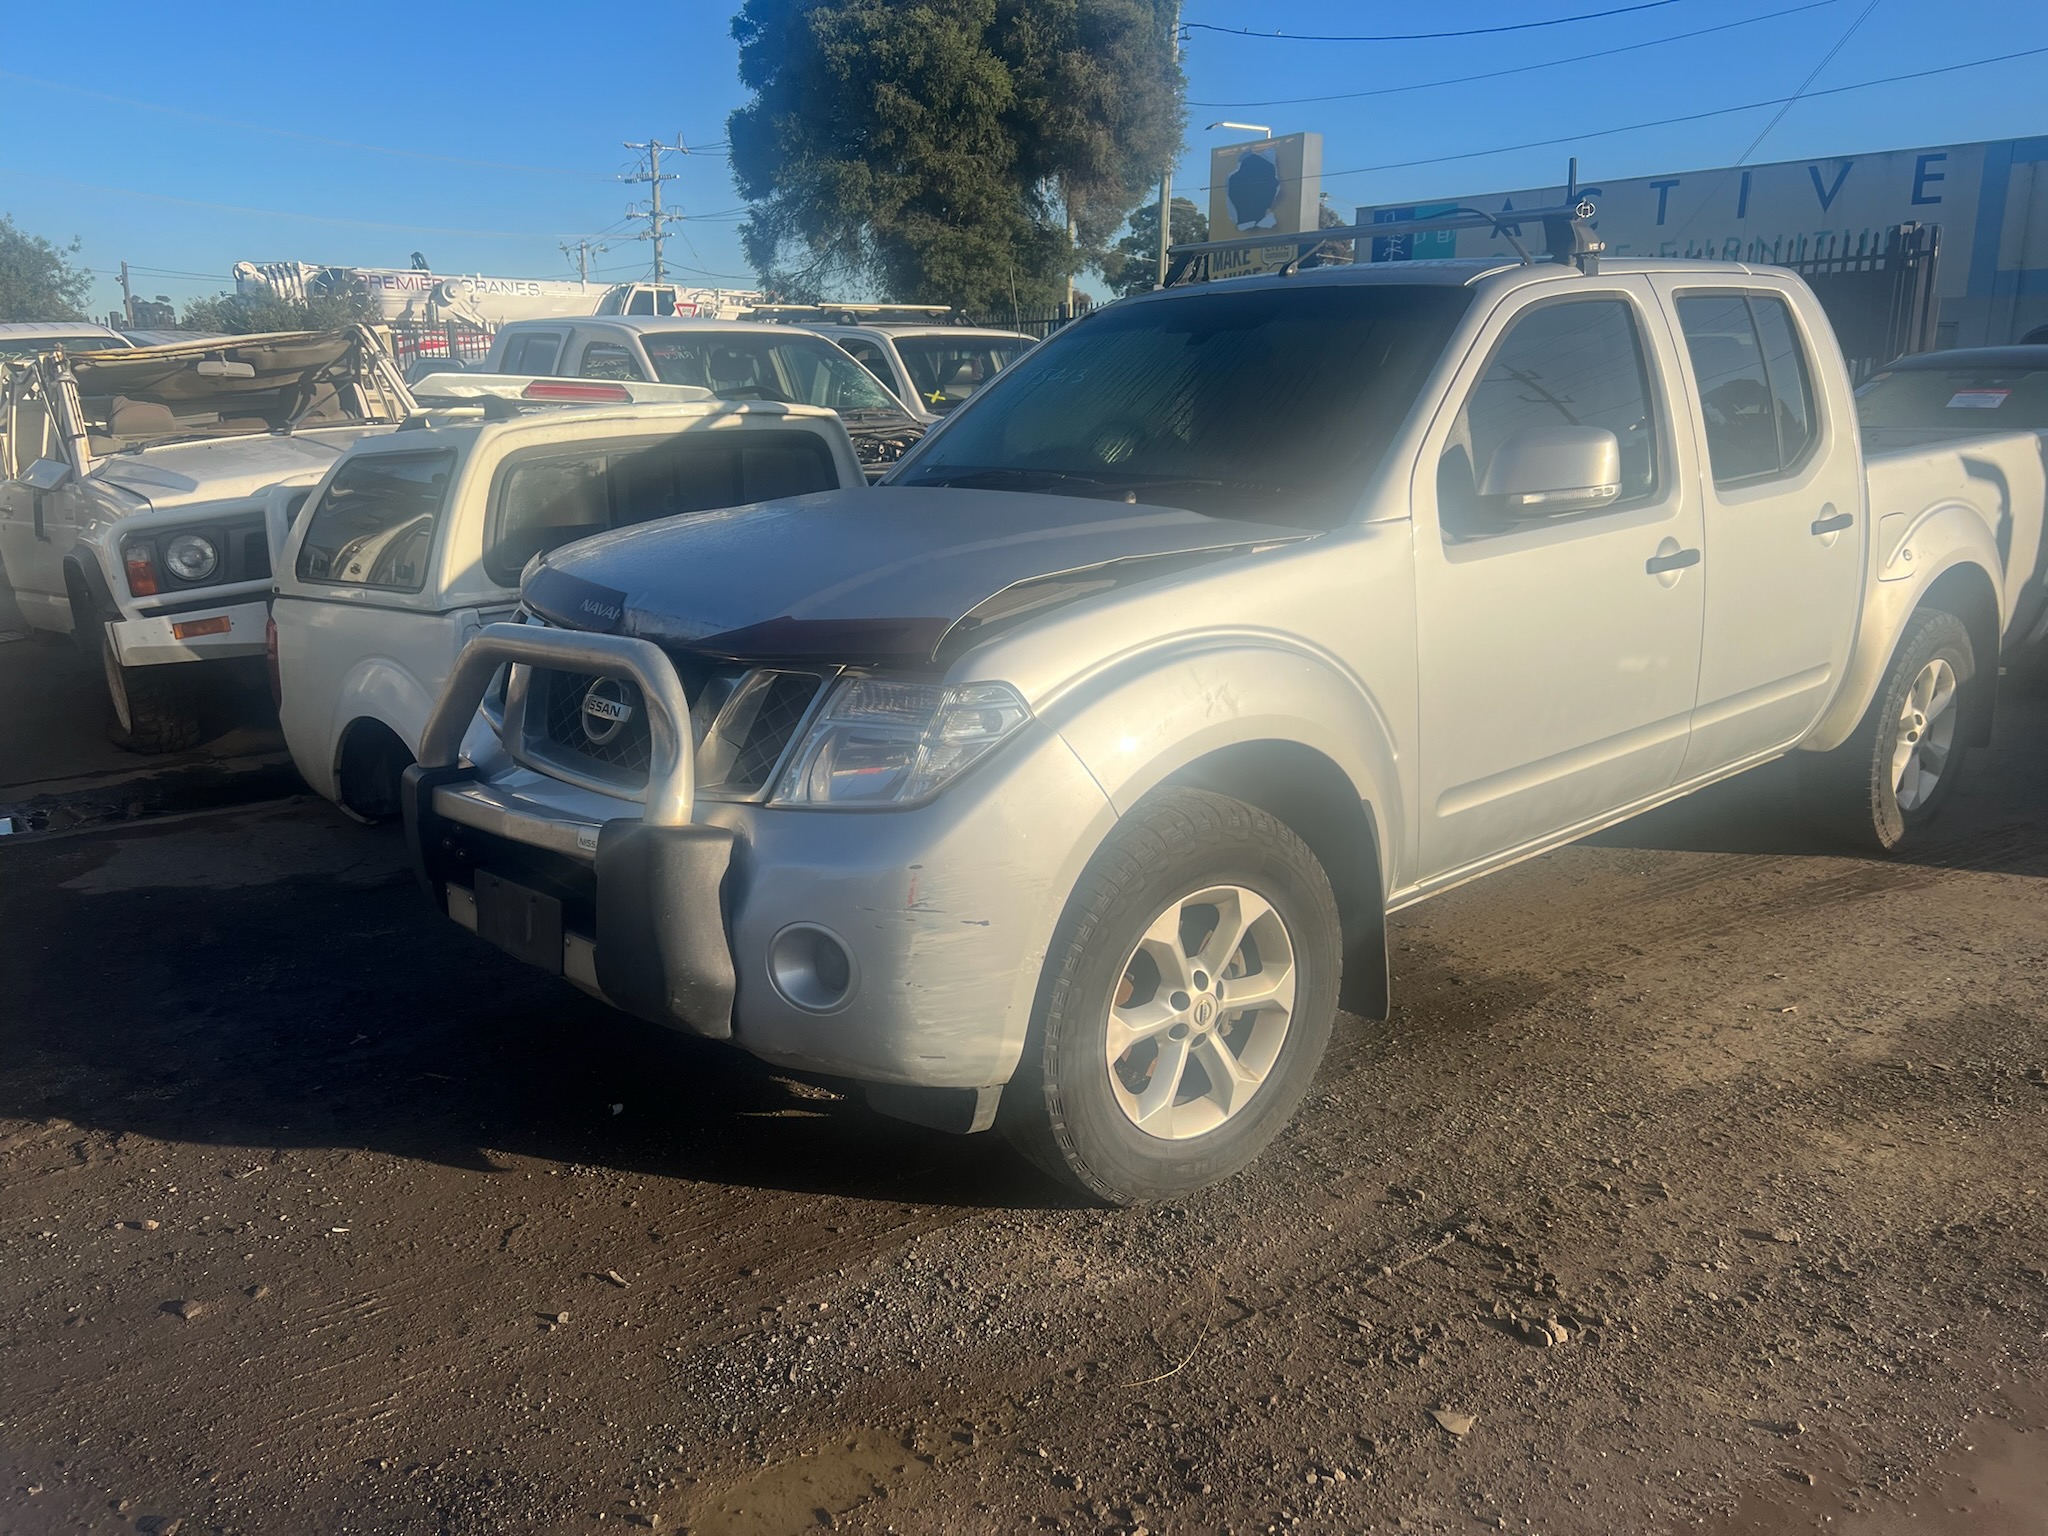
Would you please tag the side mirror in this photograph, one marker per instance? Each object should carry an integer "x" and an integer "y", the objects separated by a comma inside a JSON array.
[
  {"x": 1549, "y": 471},
  {"x": 45, "y": 474}
]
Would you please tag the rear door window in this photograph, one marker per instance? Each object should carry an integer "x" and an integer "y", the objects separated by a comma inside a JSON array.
[
  {"x": 549, "y": 499},
  {"x": 1756, "y": 389},
  {"x": 374, "y": 525}
]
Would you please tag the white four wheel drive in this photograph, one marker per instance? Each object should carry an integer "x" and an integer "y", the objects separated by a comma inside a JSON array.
[
  {"x": 145, "y": 489},
  {"x": 1226, "y": 622},
  {"x": 417, "y": 540},
  {"x": 918, "y": 352}
]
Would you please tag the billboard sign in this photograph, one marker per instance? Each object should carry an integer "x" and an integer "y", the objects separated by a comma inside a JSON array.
[
  {"x": 1267, "y": 184},
  {"x": 1991, "y": 201}
]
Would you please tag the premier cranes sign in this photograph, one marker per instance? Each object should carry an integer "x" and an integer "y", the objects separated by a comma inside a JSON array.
[{"x": 1265, "y": 185}]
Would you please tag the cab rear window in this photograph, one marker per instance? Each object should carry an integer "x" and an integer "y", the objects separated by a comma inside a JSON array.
[
  {"x": 374, "y": 526},
  {"x": 545, "y": 500}
]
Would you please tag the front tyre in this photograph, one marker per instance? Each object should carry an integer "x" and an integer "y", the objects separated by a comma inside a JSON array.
[
  {"x": 1890, "y": 778},
  {"x": 154, "y": 710},
  {"x": 1189, "y": 994}
]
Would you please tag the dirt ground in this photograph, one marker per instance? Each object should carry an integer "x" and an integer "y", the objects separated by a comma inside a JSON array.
[{"x": 1695, "y": 1185}]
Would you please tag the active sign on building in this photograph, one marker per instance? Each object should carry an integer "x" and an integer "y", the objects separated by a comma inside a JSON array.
[
  {"x": 1264, "y": 185},
  {"x": 1990, "y": 201}
]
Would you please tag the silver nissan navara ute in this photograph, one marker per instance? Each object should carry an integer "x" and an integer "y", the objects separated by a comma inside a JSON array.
[{"x": 1063, "y": 782}]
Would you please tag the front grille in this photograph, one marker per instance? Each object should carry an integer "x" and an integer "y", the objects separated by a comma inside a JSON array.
[
  {"x": 744, "y": 721},
  {"x": 571, "y": 709},
  {"x": 783, "y": 705}
]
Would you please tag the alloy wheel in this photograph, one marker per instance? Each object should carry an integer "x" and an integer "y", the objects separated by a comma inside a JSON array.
[
  {"x": 1926, "y": 736},
  {"x": 1201, "y": 1010}
]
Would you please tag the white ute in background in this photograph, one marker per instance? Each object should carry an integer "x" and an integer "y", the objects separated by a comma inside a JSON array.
[
  {"x": 418, "y": 540},
  {"x": 137, "y": 490}
]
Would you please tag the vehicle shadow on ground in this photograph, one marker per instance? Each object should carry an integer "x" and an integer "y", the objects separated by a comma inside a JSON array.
[
  {"x": 1996, "y": 818},
  {"x": 338, "y": 1011},
  {"x": 55, "y": 719}
]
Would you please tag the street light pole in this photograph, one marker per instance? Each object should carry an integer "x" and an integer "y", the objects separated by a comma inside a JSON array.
[{"x": 1166, "y": 176}]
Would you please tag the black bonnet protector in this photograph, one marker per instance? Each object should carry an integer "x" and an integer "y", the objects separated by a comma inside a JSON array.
[{"x": 880, "y": 577}]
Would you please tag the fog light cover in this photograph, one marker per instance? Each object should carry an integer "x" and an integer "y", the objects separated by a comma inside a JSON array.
[{"x": 811, "y": 967}]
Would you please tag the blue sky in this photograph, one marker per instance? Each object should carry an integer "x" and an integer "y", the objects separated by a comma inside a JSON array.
[{"x": 507, "y": 119}]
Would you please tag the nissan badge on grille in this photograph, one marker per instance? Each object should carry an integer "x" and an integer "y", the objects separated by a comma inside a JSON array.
[{"x": 605, "y": 710}]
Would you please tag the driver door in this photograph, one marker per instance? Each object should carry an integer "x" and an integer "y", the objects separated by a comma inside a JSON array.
[{"x": 1558, "y": 657}]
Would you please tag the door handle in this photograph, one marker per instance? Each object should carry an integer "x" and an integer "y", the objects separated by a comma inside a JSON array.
[
  {"x": 1657, "y": 565},
  {"x": 1834, "y": 524}
]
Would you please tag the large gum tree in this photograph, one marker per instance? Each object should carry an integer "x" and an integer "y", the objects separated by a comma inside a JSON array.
[{"x": 935, "y": 151}]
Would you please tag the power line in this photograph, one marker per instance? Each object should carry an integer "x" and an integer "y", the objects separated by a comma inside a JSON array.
[
  {"x": 1418, "y": 37},
  {"x": 1813, "y": 75},
  {"x": 1523, "y": 69},
  {"x": 1689, "y": 117},
  {"x": 1778, "y": 116}
]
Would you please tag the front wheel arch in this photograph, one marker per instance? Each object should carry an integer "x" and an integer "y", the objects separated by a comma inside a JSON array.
[{"x": 1318, "y": 802}]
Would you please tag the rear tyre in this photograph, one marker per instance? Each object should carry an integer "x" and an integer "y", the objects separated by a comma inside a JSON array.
[
  {"x": 1893, "y": 775},
  {"x": 1187, "y": 998},
  {"x": 154, "y": 708}
]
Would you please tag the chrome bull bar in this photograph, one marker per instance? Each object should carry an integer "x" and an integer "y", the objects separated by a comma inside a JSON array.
[{"x": 672, "y": 770}]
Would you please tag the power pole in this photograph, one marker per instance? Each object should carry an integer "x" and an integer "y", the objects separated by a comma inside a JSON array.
[
  {"x": 583, "y": 248},
  {"x": 657, "y": 221},
  {"x": 127, "y": 297},
  {"x": 1166, "y": 176}
]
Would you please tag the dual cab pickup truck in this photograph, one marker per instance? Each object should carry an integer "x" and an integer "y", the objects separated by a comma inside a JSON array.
[{"x": 1221, "y": 625}]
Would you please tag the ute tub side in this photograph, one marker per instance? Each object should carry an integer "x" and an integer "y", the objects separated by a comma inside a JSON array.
[{"x": 1957, "y": 526}]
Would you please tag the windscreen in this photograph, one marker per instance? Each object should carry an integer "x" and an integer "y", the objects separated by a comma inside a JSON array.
[
  {"x": 792, "y": 369},
  {"x": 1956, "y": 399},
  {"x": 947, "y": 369},
  {"x": 1272, "y": 403}
]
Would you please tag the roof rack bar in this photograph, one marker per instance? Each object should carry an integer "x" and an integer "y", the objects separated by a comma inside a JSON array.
[{"x": 1567, "y": 237}]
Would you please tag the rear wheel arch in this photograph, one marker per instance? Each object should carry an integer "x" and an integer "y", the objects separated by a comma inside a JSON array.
[
  {"x": 1317, "y": 800},
  {"x": 370, "y": 760},
  {"x": 1966, "y": 592}
]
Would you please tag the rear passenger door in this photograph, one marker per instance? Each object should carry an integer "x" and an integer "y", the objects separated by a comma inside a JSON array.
[{"x": 1784, "y": 503}]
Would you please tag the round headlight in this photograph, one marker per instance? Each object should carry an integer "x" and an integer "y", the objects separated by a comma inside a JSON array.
[{"x": 191, "y": 558}]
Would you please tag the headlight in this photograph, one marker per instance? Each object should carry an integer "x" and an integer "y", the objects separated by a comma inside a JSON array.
[
  {"x": 879, "y": 741},
  {"x": 191, "y": 558}
]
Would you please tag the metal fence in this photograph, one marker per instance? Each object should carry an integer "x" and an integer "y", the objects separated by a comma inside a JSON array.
[
  {"x": 1878, "y": 290},
  {"x": 1039, "y": 322},
  {"x": 420, "y": 349}
]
